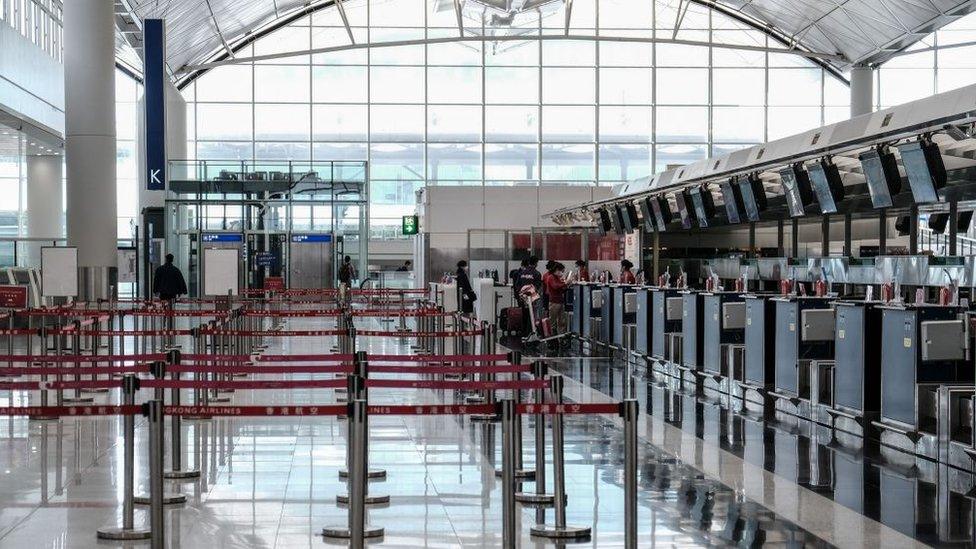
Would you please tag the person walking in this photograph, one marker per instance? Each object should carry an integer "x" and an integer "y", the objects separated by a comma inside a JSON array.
[
  {"x": 466, "y": 294},
  {"x": 168, "y": 281}
]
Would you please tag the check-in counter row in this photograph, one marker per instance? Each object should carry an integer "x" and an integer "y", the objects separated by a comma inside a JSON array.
[{"x": 903, "y": 374}]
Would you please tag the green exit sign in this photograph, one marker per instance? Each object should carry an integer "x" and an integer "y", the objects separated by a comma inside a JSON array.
[{"x": 411, "y": 224}]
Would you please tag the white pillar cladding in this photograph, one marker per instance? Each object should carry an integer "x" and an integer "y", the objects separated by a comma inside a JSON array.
[
  {"x": 89, "y": 66},
  {"x": 45, "y": 197},
  {"x": 176, "y": 129},
  {"x": 862, "y": 90}
]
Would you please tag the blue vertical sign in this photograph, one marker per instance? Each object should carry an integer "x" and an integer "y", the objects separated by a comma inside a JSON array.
[{"x": 154, "y": 69}]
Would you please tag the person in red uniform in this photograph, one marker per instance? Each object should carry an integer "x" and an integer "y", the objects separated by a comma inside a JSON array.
[
  {"x": 582, "y": 271},
  {"x": 556, "y": 291},
  {"x": 626, "y": 272}
]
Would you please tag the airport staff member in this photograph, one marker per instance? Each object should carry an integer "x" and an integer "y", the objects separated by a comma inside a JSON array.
[
  {"x": 556, "y": 290},
  {"x": 465, "y": 292},
  {"x": 626, "y": 274},
  {"x": 582, "y": 271},
  {"x": 168, "y": 281}
]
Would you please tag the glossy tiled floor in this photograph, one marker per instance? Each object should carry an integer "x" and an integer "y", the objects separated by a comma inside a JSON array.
[{"x": 273, "y": 482}]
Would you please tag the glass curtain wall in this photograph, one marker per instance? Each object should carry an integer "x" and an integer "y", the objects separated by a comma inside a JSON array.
[
  {"x": 943, "y": 61},
  {"x": 524, "y": 112}
]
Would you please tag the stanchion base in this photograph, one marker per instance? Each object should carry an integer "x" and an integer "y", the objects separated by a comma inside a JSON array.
[
  {"x": 535, "y": 500},
  {"x": 168, "y": 499},
  {"x": 522, "y": 474},
  {"x": 239, "y": 375},
  {"x": 373, "y": 473},
  {"x": 198, "y": 418},
  {"x": 181, "y": 475},
  {"x": 343, "y": 499},
  {"x": 484, "y": 418},
  {"x": 556, "y": 532},
  {"x": 124, "y": 534},
  {"x": 342, "y": 532},
  {"x": 219, "y": 400},
  {"x": 474, "y": 399},
  {"x": 78, "y": 400},
  {"x": 44, "y": 418},
  {"x": 95, "y": 391}
]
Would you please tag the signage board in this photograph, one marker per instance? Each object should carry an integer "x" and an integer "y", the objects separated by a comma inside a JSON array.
[
  {"x": 411, "y": 225},
  {"x": 311, "y": 238},
  {"x": 274, "y": 283},
  {"x": 154, "y": 85},
  {"x": 13, "y": 297}
]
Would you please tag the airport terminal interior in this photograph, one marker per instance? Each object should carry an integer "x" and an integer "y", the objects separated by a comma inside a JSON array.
[{"x": 487, "y": 273}]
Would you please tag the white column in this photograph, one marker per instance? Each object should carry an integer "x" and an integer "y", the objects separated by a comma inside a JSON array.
[
  {"x": 45, "y": 199},
  {"x": 862, "y": 91},
  {"x": 89, "y": 67}
]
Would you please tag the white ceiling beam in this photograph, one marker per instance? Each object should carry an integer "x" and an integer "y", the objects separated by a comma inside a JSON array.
[
  {"x": 682, "y": 10},
  {"x": 569, "y": 15},
  {"x": 213, "y": 18},
  {"x": 345, "y": 20},
  {"x": 458, "y": 13},
  {"x": 544, "y": 37}
]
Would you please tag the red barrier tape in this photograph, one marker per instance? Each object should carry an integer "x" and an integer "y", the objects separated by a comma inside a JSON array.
[
  {"x": 431, "y": 410},
  {"x": 84, "y": 359},
  {"x": 286, "y": 384},
  {"x": 457, "y": 385},
  {"x": 65, "y": 411},
  {"x": 95, "y": 370},
  {"x": 339, "y": 369},
  {"x": 280, "y": 333},
  {"x": 449, "y": 370},
  {"x": 58, "y": 385},
  {"x": 203, "y": 358},
  {"x": 438, "y": 359},
  {"x": 386, "y": 333}
]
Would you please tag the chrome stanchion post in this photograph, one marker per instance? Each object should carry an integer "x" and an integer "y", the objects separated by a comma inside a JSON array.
[
  {"x": 508, "y": 415},
  {"x": 540, "y": 497},
  {"x": 128, "y": 531},
  {"x": 357, "y": 530},
  {"x": 559, "y": 530},
  {"x": 629, "y": 411},
  {"x": 158, "y": 371},
  {"x": 519, "y": 472},
  {"x": 357, "y": 391},
  {"x": 176, "y": 426},
  {"x": 156, "y": 513}
]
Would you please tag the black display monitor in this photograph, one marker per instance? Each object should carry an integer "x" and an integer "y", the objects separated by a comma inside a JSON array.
[
  {"x": 685, "y": 209},
  {"x": 647, "y": 215},
  {"x": 938, "y": 222},
  {"x": 663, "y": 215},
  {"x": 732, "y": 196},
  {"x": 704, "y": 204},
  {"x": 881, "y": 171},
  {"x": 753, "y": 196},
  {"x": 925, "y": 170},
  {"x": 605, "y": 224},
  {"x": 964, "y": 221},
  {"x": 616, "y": 220},
  {"x": 796, "y": 189},
  {"x": 827, "y": 185},
  {"x": 628, "y": 213}
]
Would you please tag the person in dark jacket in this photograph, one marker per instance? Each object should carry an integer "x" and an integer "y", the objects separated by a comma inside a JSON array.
[
  {"x": 530, "y": 275},
  {"x": 465, "y": 292},
  {"x": 168, "y": 281},
  {"x": 346, "y": 271}
]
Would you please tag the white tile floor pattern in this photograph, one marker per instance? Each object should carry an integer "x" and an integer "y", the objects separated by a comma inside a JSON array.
[{"x": 272, "y": 482}]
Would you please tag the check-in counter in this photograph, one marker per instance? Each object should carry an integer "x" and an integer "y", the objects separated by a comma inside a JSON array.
[
  {"x": 760, "y": 353},
  {"x": 804, "y": 334},
  {"x": 643, "y": 320},
  {"x": 924, "y": 356},
  {"x": 667, "y": 304},
  {"x": 850, "y": 390},
  {"x": 590, "y": 305},
  {"x": 606, "y": 315},
  {"x": 723, "y": 333},
  {"x": 624, "y": 315},
  {"x": 692, "y": 320},
  {"x": 579, "y": 309}
]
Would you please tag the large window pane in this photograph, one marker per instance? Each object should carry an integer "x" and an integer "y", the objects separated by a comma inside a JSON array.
[
  {"x": 397, "y": 161},
  {"x": 507, "y": 124},
  {"x": 568, "y": 123},
  {"x": 569, "y": 53},
  {"x": 396, "y": 122},
  {"x": 569, "y": 163},
  {"x": 454, "y": 85},
  {"x": 512, "y": 85},
  {"x": 619, "y": 163},
  {"x": 671, "y": 156},
  {"x": 455, "y": 123},
  {"x": 281, "y": 84},
  {"x": 397, "y": 84},
  {"x": 682, "y": 86},
  {"x": 739, "y": 87},
  {"x": 511, "y": 162},
  {"x": 626, "y": 86},
  {"x": 786, "y": 121},
  {"x": 568, "y": 85},
  {"x": 739, "y": 124},
  {"x": 226, "y": 84},
  {"x": 339, "y": 84},
  {"x": 681, "y": 124},
  {"x": 795, "y": 87},
  {"x": 625, "y": 124},
  {"x": 223, "y": 122},
  {"x": 339, "y": 122},
  {"x": 281, "y": 122},
  {"x": 454, "y": 164}
]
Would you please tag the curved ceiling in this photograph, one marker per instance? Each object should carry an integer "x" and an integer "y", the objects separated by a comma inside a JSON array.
[{"x": 859, "y": 31}]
